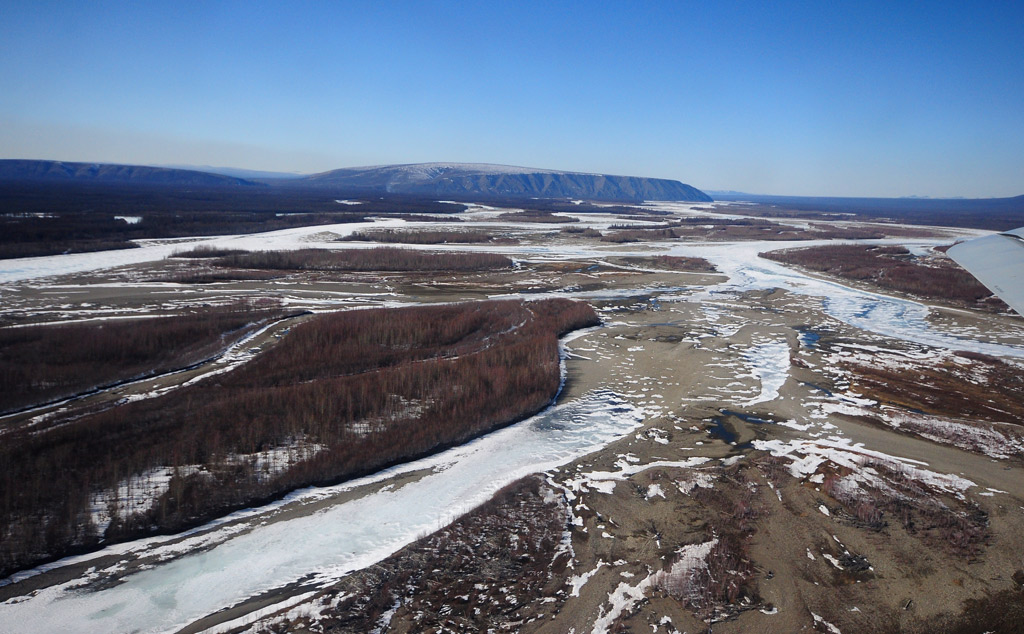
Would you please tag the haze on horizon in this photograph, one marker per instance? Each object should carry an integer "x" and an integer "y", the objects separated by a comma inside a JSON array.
[{"x": 791, "y": 99}]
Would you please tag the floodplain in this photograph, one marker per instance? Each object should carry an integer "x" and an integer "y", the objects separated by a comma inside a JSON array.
[{"x": 730, "y": 442}]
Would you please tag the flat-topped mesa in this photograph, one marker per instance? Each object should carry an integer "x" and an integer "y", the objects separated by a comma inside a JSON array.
[{"x": 475, "y": 179}]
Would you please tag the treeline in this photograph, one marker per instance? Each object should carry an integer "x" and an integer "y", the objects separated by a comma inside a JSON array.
[
  {"x": 395, "y": 236},
  {"x": 997, "y": 214},
  {"x": 583, "y": 232},
  {"x": 424, "y": 218},
  {"x": 728, "y": 229},
  {"x": 206, "y": 251},
  {"x": 983, "y": 388},
  {"x": 543, "y": 217},
  {"x": 672, "y": 262},
  {"x": 43, "y": 363},
  {"x": 377, "y": 259},
  {"x": 135, "y": 199},
  {"x": 77, "y": 232},
  {"x": 47, "y": 218},
  {"x": 894, "y": 268},
  {"x": 365, "y": 388},
  {"x": 554, "y": 205}
]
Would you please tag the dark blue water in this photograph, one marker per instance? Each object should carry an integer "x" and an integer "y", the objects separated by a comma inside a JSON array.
[{"x": 721, "y": 431}]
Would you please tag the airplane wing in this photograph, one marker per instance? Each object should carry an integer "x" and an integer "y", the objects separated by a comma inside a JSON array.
[{"x": 998, "y": 262}]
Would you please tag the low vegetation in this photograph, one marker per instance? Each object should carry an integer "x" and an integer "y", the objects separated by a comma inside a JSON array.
[
  {"x": 583, "y": 232},
  {"x": 396, "y": 236},
  {"x": 727, "y": 229},
  {"x": 536, "y": 216},
  {"x": 217, "y": 276},
  {"x": 998, "y": 613},
  {"x": 672, "y": 263},
  {"x": 377, "y": 259},
  {"x": 958, "y": 526},
  {"x": 206, "y": 251},
  {"x": 486, "y": 571},
  {"x": 894, "y": 268},
  {"x": 43, "y": 363},
  {"x": 341, "y": 395},
  {"x": 727, "y": 582},
  {"x": 966, "y": 386},
  {"x": 49, "y": 218}
]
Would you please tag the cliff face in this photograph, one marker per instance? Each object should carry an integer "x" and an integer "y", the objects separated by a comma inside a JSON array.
[{"x": 501, "y": 180}]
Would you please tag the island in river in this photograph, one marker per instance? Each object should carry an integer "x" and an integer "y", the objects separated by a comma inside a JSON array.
[{"x": 735, "y": 442}]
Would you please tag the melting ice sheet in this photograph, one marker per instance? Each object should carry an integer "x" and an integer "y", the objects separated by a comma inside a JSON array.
[{"x": 330, "y": 543}]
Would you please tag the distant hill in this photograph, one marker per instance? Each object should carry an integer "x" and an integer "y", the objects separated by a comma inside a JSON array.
[
  {"x": 454, "y": 180},
  {"x": 27, "y": 170},
  {"x": 999, "y": 214},
  {"x": 468, "y": 179},
  {"x": 237, "y": 172}
]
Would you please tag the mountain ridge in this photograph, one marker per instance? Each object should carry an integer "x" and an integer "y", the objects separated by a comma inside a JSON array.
[
  {"x": 45, "y": 170},
  {"x": 506, "y": 180},
  {"x": 469, "y": 180}
]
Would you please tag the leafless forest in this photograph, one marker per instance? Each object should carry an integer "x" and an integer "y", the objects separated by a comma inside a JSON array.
[
  {"x": 343, "y": 394},
  {"x": 896, "y": 269},
  {"x": 41, "y": 363},
  {"x": 379, "y": 259}
]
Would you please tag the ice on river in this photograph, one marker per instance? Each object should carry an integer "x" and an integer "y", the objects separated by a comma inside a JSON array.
[
  {"x": 349, "y": 536},
  {"x": 324, "y": 546},
  {"x": 769, "y": 363},
  {"x": 17, "y": 269},
  {"x": 874, "y": 312}
]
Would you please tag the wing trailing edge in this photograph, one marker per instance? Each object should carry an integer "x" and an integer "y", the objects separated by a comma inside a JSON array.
[{"x": 998, "y": 263}]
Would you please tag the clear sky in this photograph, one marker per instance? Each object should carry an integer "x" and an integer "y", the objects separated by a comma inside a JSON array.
[{"x": 815, "y": 98}]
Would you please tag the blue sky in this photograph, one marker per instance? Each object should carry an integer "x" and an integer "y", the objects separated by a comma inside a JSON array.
[{"x": 859, "y": 99}]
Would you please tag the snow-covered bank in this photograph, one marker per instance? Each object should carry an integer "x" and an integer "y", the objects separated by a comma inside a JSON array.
[
  {"x": 874, "y": 312},
  {"x": 328, "y": 544},
  {"x": 18, "y": 269}
]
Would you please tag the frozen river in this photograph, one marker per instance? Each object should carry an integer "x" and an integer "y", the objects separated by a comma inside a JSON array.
[
  {"x": 877, "y": 313},
  {"x": 874, "y": 312},
  {"x": 317, "y": 548},
  {"x": 247, "y": 554}
]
